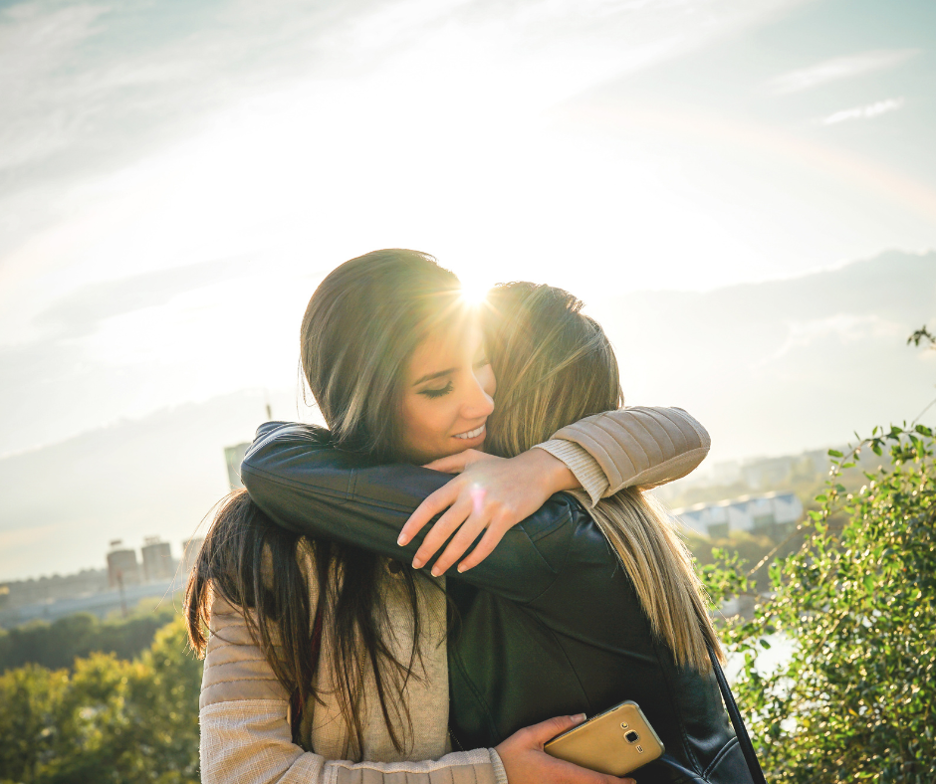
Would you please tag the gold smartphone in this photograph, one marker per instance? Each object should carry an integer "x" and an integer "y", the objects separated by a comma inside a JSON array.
[{"x": 614, "y": 742}]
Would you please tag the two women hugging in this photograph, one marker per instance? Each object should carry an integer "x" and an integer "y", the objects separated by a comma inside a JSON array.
[{"x": 343, "y": 646}]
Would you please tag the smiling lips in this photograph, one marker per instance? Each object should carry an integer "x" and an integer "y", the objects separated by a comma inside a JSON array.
[{"x": 471, "y": 434}]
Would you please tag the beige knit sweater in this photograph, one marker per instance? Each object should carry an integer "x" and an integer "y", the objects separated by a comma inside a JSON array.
[{"x": 246, "y": 735}]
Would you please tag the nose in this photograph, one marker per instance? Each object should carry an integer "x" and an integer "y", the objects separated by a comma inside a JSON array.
[{"x": 478, "y": 403}]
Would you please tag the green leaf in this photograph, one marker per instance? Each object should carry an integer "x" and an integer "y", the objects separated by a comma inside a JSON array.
[{"x": 835, "y": 453}]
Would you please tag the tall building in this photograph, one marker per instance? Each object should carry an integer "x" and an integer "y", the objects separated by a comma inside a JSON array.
[
  {"x": 157, "y": 560},
  {"x": 234, "y": 456},
  {"x": 122, "y": 566}
]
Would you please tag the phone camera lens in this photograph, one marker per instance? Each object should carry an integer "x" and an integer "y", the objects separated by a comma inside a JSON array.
[{"x": 631, "y": 737}]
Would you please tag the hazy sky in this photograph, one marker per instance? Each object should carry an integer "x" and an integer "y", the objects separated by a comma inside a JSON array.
[{"x": 175, "y": 177}]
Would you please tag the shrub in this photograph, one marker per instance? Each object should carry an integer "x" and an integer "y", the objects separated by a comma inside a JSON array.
[{"x": 855, "y": 700}]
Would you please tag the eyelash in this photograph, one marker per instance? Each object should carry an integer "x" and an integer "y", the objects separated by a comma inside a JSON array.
[{"x": 434, "y": 393}]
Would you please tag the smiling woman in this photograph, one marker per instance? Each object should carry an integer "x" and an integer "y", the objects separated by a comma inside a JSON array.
[
  {"x": 330, "y": 646},
  {"x": 449, "y": 395},
  {"x": 362, "y": 326}
]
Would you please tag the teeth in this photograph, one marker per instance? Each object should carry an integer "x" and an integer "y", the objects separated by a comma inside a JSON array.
[{"x": 471, "y": 433}]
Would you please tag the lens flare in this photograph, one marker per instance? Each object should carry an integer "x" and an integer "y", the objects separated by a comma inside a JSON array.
[{"x": 474, "y": 293}]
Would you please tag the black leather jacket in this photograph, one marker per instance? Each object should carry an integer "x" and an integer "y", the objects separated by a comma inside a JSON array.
[{"x": 549, "y": 622}]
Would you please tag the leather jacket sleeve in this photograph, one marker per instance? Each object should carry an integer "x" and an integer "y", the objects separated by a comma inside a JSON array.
[{"x": 309, "y": 487}]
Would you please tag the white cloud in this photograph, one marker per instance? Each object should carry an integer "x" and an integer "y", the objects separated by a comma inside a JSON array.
[
  {"x": 840, "y": 68},
  {"x": 842, "y": 328},
  {"x": 867, "y": 112}
]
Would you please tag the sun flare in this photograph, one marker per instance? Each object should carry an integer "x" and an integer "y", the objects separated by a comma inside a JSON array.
[{"x": 474, "y": 292}]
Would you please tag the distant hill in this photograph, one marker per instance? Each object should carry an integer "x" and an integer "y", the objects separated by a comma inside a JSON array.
[
  {"x": 158, "y": 475},
  {"x": 778, "y": 367},
  {"x": 770, "y": 368}
]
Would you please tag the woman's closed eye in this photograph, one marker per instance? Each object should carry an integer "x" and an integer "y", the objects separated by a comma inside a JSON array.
[{"x": 434, "y": 393}]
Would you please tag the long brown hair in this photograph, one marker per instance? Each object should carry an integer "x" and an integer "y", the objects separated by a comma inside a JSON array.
[
  {"x": 554, "y": 366},
  {"x": 359, "y": 332}
]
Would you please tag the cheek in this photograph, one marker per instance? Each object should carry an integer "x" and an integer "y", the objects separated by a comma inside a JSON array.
[
  {"x": 423, "y": 419},
  {"x": 412, "y": 414}
]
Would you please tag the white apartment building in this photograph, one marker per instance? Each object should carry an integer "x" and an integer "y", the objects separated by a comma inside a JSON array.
[{"x": 754, "y": 513}]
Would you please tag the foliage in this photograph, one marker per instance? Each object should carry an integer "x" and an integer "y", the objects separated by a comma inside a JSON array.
[
  {"x": 107, "y": 721},
  {"x": 56, "y": 645},
  {"x": 855, "y": 701},
  {"x": 742, "y": 547},
  {"x": 922, "y": 335}
]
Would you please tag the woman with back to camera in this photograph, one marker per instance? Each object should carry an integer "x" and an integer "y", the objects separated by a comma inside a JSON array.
[
  {"x": 357, "y": 691},
  {"x": 549, "y": 622}
]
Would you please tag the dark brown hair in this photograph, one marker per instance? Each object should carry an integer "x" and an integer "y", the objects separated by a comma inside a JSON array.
[{"x": 360, "y": 329}]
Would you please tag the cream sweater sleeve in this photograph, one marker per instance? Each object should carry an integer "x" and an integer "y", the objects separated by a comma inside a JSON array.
[
  {"x": 632, "y": 447},
  {"x": 246, "y": 736}
]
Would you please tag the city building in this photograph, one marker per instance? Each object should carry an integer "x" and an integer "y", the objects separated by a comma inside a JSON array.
[
  {"x": 157, "y": 560},
  {"x": 234, "y": 456},
  {"x": 122, "y": 566},
  {"x": 772, "y": 514}
]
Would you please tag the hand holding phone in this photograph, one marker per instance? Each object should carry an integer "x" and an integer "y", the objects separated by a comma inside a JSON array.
[
  {"x": 525, "y": 762},
  {"x": 615, "y": 742}
]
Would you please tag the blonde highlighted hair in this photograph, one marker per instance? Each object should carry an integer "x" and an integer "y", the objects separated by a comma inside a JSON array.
[{"x": 554, "y": 366}]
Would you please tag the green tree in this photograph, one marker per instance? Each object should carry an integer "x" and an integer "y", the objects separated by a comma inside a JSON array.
[
  {"x": 107, "y": 721},
  {"x": 855, "y": 701},
  {"x": 58, "y": 644},
  {"x": 29, "y": 697}
]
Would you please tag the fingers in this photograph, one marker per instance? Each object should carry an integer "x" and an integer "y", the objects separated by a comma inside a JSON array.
[
  {"x": 483, "y": 549},
  {"x": 434, "y": 504},
  {"x": 545, "y": 731},
  {"x": 549, "y": 729},
  {"x": 460, "y": 543},
  {"x": 442, "y": 530}
]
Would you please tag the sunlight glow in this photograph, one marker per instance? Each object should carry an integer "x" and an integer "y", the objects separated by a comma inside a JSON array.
[{"x": 474, "y": 292}]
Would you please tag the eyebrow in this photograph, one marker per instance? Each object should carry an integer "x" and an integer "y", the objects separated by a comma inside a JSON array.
[{"x": 430, "y": 376}]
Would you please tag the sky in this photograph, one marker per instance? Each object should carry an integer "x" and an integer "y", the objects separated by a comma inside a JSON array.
[{"x": 176, "y": 177}]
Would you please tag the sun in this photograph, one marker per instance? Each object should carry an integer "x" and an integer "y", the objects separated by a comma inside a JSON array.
[{"x": 474, "y": 292}]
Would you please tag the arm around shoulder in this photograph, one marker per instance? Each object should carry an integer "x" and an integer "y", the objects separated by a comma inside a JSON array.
[{"x": 641, "y": 446}]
